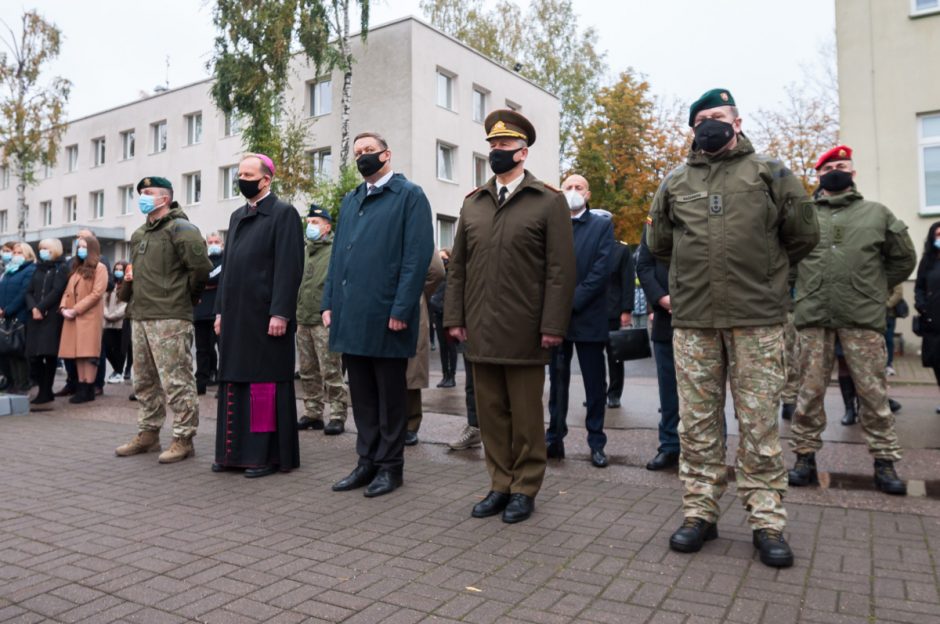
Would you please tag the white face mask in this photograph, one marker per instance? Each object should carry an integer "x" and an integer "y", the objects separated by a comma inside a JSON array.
[{"x": 575, "y": 200}]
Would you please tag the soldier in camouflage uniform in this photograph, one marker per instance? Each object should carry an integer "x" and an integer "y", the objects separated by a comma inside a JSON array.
[
  {"x": 170, "y": 268},
  {"x": 321, "y": 375},
  {"x": 729, "y": 223},
  {"x": 841, "y": 290}
]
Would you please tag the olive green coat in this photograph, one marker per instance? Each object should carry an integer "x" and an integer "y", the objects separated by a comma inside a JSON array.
[
  {"x": 316, "y": 266},
  {"x": 511, "y": 275},
  {"x": 864, "y": 251},
  {"x": 729, "y": 226},
  {"x": 171, "y": 267}
]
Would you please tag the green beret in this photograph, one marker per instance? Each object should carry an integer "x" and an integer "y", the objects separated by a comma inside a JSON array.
[
  {"x": 710, "y": 99},
  {"x": 154, "y": 182}
]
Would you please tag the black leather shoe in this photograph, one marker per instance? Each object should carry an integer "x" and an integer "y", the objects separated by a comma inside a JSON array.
[
  {"x": 360, "y": 476},
  {"x": 894, "y": 406},
  {"x": 804, "y": 471},
  {"x": 254, "y": 473},
  {"x": 309, "y": 423},
  {"x": 786, "y": 411},
  {"x": 200, "y": 389},
  {"x": 663, "y": 460},
  {"x": 773, "y": 548},
  {"x": 219, "y": 468},
  {"x": 692, "y": 534},
  {"x": 447, "y": 382},
  {"x": 598, "y": 458},
  {"x": 384, "y": 482},
  {"x": 334, "y": 427},
  {"x": 556, "y": 450},
  {"x": 132, "y": 397},
  {"x": 887, "y": 479},
  {"x": 494, "y": 503},
  {"x": 411, "y": 438},
  {"x": 519, "y": 508},
  {"x": 613, "y": 403}
]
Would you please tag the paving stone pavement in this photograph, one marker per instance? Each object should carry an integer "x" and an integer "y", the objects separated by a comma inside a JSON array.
[{"x": 89, "y": 537}]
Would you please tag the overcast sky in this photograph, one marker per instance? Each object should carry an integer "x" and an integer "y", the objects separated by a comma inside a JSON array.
[{"x": 114, "y": 49}]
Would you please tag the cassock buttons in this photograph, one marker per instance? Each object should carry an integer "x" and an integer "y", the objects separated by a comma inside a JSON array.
[
  {"x": 344, "y": 282},
  {"x": 360, "y": 213},
  {"x": 349, "y": 246}
]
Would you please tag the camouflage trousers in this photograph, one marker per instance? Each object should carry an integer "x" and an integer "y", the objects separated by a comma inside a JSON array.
[
  {"x": 752, "y": 359},
  {"x": 163, "y": 362},
  {"x": 865, "y": 353},
  {"x": 321, "y": 374},
  {"x": 791, "y": 339}
]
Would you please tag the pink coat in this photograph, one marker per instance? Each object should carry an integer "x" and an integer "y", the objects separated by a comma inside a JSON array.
[{"x": 81, "y": 336}]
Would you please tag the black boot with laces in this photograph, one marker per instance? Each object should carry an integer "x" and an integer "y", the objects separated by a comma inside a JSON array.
[
  {"x": 773, "y": 548},
  {"x": 887, "y": 479},
  {"x": 692, "y": 534}
]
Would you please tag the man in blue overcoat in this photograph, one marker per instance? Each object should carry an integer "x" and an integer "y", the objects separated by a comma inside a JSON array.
[{"x": 381, "y": 251}]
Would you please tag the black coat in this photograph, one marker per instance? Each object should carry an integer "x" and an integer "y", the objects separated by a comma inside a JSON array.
[
  {"x": 654, "y": 278},
  {"x": 205, "y": 309},
  {"x": 927, "y": 304},
  {"x": 620, "y": 287},
  {"x": 264, "y": 263},
  {"x": 45, "y": 293}
]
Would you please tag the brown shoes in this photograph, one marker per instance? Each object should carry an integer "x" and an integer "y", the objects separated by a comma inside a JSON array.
[
  {"x": 143, "y": 442},
  {"x": 178, "y": 451}
]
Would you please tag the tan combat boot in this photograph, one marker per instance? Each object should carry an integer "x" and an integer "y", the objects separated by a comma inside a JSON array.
[
  {"x": 178, "y": 451},
  {"x": 143, "y": 442}
]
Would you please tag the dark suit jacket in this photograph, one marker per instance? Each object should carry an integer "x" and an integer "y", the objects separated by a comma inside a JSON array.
[
  {"x": 620, "y": 286},
  {"x": 654, "y": 278}
]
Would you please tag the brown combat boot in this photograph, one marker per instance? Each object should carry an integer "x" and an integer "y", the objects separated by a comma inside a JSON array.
[
  {"x": 178, "y": 451},
  {"x": 143, "y": 442}
]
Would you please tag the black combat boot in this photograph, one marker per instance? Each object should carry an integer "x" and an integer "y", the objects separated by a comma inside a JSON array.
[
  {"x": 692, "y": 534},
  {"x": 773, "y": 548},
  {"x": 850, "y": 398},
  {"x": 887, "y": 479},
  {"x": 804, "y": 471}
]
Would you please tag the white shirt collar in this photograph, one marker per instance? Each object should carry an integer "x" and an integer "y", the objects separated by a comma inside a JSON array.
[
  {"x": 512, "y": 185},
  {"x": 578, "y": 214},
  {"x": 261, "y": 199},
  {"x": 380, "y": 182}
]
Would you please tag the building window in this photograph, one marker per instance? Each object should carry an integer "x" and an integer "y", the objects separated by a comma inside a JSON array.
[
  {"x": 513, "y": 106},
  {"x": 97, "y": 150},
  {"x": 446, "y": 227},
  {"x": 71, "y": 209},
  {"x": 445, "y": 90},
  {"x": 194, "y": 129},
  {"x": 479, "y": 104},
  {"x": 321, "y": 163},
  {"x": 97, "y": 205},
  {"x": 321, "y": 97},
  {"x": 193, "y": 187},
  {"x": 4, "y": 177},
  {"x": 233, "y": 123},
  {"x": 71, "y": 157},
  {"x": 924, "y": 7},
  {"x": 480, "y": 170},
  {"x": 158, "y": 137},
  {"x": 46, "y": 171},
  {"x": 127, "y": 144},
  {"x": 126, "y": 195},
  {"x": 445, "y": 161},
  {"x": 230, "y": 182},
  {"x": 930, "y": 162},
  {"x": 3, "y": 221},
  {"x": 45, "y": 209}
]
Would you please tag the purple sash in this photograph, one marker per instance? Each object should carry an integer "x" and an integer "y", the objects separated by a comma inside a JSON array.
[{"x": 262, "y": 408}]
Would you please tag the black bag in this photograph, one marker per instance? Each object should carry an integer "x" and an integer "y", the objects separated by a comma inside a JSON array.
[
  {"x": 12, "y": 337},
  {"x": 902, "y": 309},
  {"x": 917, "y": 325},
  {"x": 628, "y": 344}
]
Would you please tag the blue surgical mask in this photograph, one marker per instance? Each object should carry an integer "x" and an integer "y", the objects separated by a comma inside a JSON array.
[
  {"x": 45, "y": 255},
  {"x": 6, "y": 256},
  {"x": 146, "y": 204},
  {"x": 936, "y": 243},
  {"x": 17, "y": 260},
  {"x": 313, "y": 232},
  {"x": 215, "y": 250},
  {"x": 119, "y": 275},
  {"x": 82, "y": 253}
]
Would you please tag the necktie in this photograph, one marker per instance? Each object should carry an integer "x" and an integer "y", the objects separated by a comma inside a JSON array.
[
  {"x": 502, "y": 194},
  {"x": 372, "y": 190}
]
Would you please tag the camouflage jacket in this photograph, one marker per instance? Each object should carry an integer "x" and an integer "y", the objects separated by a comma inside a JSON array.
[
  {"x": 863, "y": 252},
  {"x": 729, "y": 226}
]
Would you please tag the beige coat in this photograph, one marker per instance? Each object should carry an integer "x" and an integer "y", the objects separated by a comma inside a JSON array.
[
  {"x": 81, "y": 336},
  {"x": 418, "y": 373},
  {"x": 113, "y": 310}
]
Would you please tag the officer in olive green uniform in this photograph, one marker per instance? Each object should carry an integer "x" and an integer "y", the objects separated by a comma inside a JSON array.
[
  {"x": 321, "y": 370},
  {"x": 841, "y": 287},
  {"x": 171, "y": 265},
  {"x": 510, "y": 288},
  {"x": 729, "y": 223}
]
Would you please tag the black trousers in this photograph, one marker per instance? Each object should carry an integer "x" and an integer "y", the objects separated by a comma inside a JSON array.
[
  {"x": 446, "y": 346},
  {"x": 591, "y": 361},
  {"x": 113, "y": 340},
  {"x": 614, "y": 368},
  {"x": 44, "y": 367},
  {"x": 379, "y": 396},
  {"x": 206, "y": 358}
]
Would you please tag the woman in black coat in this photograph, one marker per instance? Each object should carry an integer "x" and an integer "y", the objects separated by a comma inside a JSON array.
[
  {"x": 45, "y": 323},
  {"x": 927, "y": 300}
]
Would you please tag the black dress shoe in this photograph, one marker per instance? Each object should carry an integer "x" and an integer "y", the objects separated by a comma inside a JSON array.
[
  {"x": 894, "y": 406},
  {"x": 519, "y": 508},
  {"x": 309, "y": 423},
  {"x": 447, "y": 382},
  {"x": 334, "y": 427},
  {"x": 132, "y": 397},
  {"x": 663, "y": 460},
  {"x": 598, "y": 458},
  {"x": 556, "y": 450},
  {"x": 383, "y": 483},
  {"x": 360, "y": 476},
  {"x": 773, "y": 548},
  {"x": 494, "y": 503},
  {"x": 692, "y": 534},
  {"x": 254, "y": 473},
  {"x": 219, "y": 468},
  {"x": 787, "y": 410},
  {"x": 411, "y": 438},
  {"x": 613, "y": 402},
  {"x": 200, "y": 389}
]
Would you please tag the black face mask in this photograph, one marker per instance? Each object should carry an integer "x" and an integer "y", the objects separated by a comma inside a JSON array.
[
  {"x": 711, "y": 135},
  {"x": 501, "y": 161},
  {"x": 835, "y": 180},
  {"x": 368, "y": 164},
  {"x": 249, "y": 188}
]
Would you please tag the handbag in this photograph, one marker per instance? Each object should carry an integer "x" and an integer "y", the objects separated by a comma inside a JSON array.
[
  {"x": 631, "y": 343},
  {"x": 901, "y": 310},
  {"x": 12, "y": 337}
]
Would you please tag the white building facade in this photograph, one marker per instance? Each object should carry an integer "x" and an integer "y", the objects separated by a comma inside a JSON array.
[{"x": 424, "y": 91}]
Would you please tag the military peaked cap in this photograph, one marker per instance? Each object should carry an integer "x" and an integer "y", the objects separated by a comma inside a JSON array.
[{"x": 508, "y": 123}]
